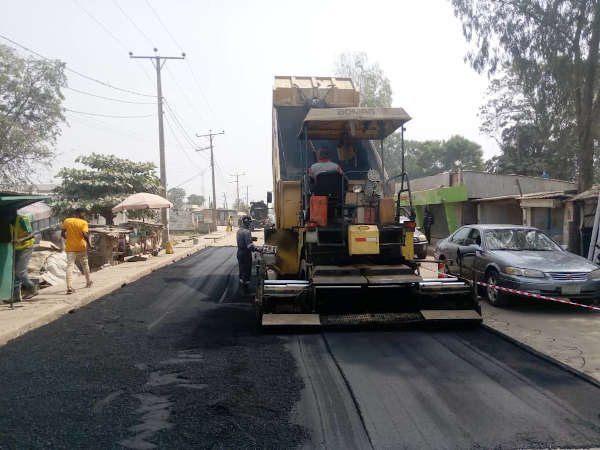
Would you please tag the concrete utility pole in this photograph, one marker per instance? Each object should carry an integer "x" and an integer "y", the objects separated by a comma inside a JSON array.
[
  {"x": 237, "y": 176},
  {"x": 159, "y": 62},
  {"x": 247, "y": 201},
  {"x": 210, "y": 136}
]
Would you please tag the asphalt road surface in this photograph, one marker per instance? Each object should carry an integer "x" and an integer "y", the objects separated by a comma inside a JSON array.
[{"x": 174, "y": 361}]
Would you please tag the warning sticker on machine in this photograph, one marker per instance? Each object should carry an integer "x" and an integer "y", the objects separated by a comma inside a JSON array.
[{"x": 365, "y": 239}]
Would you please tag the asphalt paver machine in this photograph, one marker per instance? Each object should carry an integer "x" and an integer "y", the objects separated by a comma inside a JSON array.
[{"x": 341, "y": 252}]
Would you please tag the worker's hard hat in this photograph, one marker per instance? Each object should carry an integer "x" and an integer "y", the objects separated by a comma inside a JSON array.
[{"x": 246, "y": 219}]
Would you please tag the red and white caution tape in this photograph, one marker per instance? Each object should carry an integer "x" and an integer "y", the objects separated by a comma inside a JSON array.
[
  {"x": 524, "y": 293},
  {"x": 538, "y": 296}
]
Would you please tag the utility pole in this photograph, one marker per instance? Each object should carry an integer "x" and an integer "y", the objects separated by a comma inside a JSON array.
[
  {"x": 210, "y": 136},
  {"x": 247, "y": 201},
  {"x": 159, "y": 62},
  {"x": 225, "y": 200},
  {"x": 237, "y": 176}
]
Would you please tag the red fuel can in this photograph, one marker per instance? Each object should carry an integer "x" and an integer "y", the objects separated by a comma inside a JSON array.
[{"x": 318, "y": 210}]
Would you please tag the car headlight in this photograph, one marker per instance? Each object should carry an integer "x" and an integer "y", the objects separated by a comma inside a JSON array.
[
  {"x": 594, "y": 274},
  {"x": 530, "y": 273}
]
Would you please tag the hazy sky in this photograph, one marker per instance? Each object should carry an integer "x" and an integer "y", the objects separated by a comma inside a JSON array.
[{"x": 234, "y": 49}]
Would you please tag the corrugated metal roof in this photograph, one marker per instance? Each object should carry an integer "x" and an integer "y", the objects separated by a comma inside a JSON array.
[
  {"x": 535, "y": 195},
  {"x": 590, "y": 193}
]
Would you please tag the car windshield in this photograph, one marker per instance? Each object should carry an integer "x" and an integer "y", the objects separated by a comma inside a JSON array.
[{"x": 518, "y": 239}]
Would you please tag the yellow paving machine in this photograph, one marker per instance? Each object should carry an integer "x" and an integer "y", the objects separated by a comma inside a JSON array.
[{"x": 341, "y": 252}]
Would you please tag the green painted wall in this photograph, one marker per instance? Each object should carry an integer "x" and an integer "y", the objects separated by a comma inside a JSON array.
[{"x": 452, "y": 194}]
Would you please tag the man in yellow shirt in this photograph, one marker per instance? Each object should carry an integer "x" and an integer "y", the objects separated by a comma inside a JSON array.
[
  {"x": 77, "y": 241},
  {"x": 23, "y": 240}
]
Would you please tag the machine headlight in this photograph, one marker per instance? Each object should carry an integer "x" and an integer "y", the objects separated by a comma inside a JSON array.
[
  {"x": 594, "y": 274},
  {"x": 530, "y": 273}
]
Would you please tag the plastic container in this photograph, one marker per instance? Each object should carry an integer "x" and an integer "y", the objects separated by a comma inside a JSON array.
[
  {"x": 318, "y": 210},
  {"x": 363, "y": 240}
]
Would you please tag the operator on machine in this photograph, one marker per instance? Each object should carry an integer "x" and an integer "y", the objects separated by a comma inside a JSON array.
[
  {"x": 323, "y": 164},
  {"x": 244, "y": 252}
]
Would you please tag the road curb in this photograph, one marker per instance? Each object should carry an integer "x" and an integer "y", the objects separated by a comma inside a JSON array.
[
  {"x": 544, "y": 356},
  {"x": 58, "y": 311}
]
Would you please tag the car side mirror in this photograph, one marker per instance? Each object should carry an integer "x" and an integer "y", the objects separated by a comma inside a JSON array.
[{"x": 471, "y": 250}]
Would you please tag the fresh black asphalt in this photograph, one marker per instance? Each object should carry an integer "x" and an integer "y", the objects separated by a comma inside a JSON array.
[{"x": 174, "y": 361}]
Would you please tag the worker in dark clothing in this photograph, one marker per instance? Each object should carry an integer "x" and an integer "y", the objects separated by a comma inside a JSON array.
[
  {"x": 323, "y": 164},
  {"x": 428, "y": 223},
  {"x": 244, "y": 252}
]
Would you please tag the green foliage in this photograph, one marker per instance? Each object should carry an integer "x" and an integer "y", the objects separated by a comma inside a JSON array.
[
  {"x": 533, "y": 137},
  {"x": 552, "y": 49},
  {"x": 30, "y": 114},
  {"x": 423, "y": 158},
  {"x": 375, "y": 87},
  {"x": 176, "y": 196},
  {"x": 195, "y": 199},
  {"x": 107, "y": 181}
]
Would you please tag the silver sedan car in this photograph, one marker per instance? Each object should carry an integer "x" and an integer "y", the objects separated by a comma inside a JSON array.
[{"x": 518, "y": 257}]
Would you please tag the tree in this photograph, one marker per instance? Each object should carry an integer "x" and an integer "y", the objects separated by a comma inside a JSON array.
[
  {"x": 176, "y": 196},
  {"x": 375, "y": 87},
  {"x": 195, "y": 199},
  {"x": 30, "y": 114},
  {"x": 107, "y": 181},
  {"x": 558, "y": 41},
  {"x": 423, "y": 158}
]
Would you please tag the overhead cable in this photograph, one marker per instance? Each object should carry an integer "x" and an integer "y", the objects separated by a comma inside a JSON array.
[
  {"x": 112, "y": 35},
  {"x": 85, "y": 113},
  {"x": 87, "y": 77},
  {"x": 144, "y": 35},
  {"x": 108, "y": 98}
]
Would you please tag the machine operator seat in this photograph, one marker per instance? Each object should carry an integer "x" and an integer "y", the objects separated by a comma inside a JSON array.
[{"x": 329, "y": 184}]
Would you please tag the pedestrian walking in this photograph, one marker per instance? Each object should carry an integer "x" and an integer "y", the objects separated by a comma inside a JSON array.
[
  {"x": 77, "y": 242},
  {"x": 229, "y": 223},
  {"x": 244, "y": 252},
  {"x": 428, "y": 222},
  {"x": 23, "y": 240}
]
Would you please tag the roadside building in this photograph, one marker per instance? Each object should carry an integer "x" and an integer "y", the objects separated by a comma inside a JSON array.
[{"x": 466, "y": 197}]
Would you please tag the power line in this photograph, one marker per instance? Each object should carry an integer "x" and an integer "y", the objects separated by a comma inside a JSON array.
[
  {"x": 87, "y": 77},
  {"x": 188, "y": 63},
  {"x": 144, "y": 35},
  {"x": 200, "y": 89},
  {"x": 171, "y": 111},
  {"x": 101, "y": 25},
  {"x": 184, "y": 94},
  {"x": 181, "y": 147},
  {"x": 112, "y": 35},
  {"x": 105, "y": 127},
  {"x": 164, "y": 26},
  {"x": 108, "y": 98},
  {"x": 109, "y": 115}
]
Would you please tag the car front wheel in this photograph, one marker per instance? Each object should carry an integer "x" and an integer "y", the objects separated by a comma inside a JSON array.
[{"x": 494, "y": 296}]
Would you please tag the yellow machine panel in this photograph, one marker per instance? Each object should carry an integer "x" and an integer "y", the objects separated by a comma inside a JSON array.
[
  {"x": 286, "y": 241},
  {"x": 408, "y": 249},
  {"x": 363, "y": 240},
  {"x": 287, "y": 204}
]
